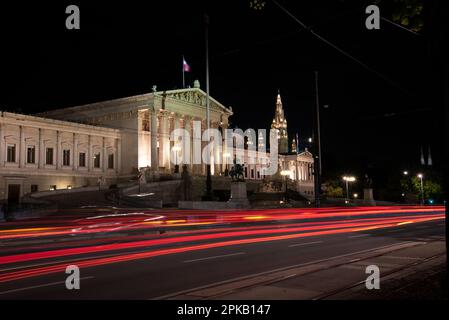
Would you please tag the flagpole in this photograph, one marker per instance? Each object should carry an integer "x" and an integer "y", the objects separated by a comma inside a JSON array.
[{"x": 208, "y": 195}]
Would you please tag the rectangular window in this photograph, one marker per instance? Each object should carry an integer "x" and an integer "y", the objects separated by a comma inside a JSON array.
[
  {"x": 111, "y": 161},
  {"x": 49, "y": 156},
  {"x": 31, "y": 154},
  {"x": 66, "y": 157},
  {"x": 82, "y": 159},
  {"x": 11, "y": 156},
  {"x": 34, "y": 188},
  {"x": 97, "y": 160}
]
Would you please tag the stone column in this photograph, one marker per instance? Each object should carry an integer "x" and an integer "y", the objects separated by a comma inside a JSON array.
[
  {"x": 22, "y": 147},
  {"x": 41, "y": 150},
  {"x": 2, "y": 146},
  {"x": 105, "y": 155},
  {"x": 75, "y": 156},
  {"x": 187, "y": 143},
  {"x": 296, "y": 170},
  {"x": 225, "y": 150},
  {"x": 303, "y": 171},
  {"x": 164, "y": 146},
  {"x": 89, "y": 153},
  {"x": 58, "y": 150},
  {"x": 203, "y": 144},
  {"x": 154, "y": 131},
  {"x": 118, "y": 167},
  {"x": 196, "y": 142},
  {"x": 176, "y": 143}
]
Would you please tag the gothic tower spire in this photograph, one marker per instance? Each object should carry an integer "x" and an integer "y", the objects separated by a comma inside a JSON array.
[{"x": 280, "y": 124}]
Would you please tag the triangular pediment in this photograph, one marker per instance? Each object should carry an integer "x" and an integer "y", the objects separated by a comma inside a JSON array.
[
  {"x": 194, "y": 96},
  {"x": 305, "y": 153}
]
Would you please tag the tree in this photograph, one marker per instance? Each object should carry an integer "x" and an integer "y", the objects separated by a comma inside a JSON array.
[
  {"x": 432, "y": 189},
  {"x": 333, "y": 189}
]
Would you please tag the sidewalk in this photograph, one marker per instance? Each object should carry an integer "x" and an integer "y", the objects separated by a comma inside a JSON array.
[{"x": 405, "y": 268}]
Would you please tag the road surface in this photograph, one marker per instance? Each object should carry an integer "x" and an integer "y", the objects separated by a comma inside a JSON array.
[{"x": 128, "y": 254}]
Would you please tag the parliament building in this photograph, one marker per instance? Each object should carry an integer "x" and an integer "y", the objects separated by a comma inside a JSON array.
[{"x": 108, "y": 142}]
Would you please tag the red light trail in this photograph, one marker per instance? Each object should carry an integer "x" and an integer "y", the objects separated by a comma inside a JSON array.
[{"x": 214, "y": 237}]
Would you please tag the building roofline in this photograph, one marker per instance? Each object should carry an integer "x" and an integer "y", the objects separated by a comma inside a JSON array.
[
  {"x": 135, "y": 98},
  {"x": 19, "y": 116}
]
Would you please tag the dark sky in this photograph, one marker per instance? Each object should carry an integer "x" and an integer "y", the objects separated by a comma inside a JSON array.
[{"x": 125, "y": 48}]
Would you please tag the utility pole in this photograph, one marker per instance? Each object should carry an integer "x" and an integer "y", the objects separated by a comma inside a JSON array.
[
  {"x": 317, "y": 163},
  {"x": 208, "y": 195}
]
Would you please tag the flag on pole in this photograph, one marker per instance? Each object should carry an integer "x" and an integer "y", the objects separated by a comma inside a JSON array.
[{"x": 185, "y": 66}]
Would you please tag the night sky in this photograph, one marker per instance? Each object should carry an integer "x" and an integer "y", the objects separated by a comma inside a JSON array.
[{"x": 125, "y": 48}]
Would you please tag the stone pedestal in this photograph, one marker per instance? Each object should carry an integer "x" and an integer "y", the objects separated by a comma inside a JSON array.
[
  {"x": 238, "y": 195},
  {"x": 368, "y": 198}
]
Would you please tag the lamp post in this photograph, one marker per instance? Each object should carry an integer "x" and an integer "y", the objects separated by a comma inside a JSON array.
[
  {"x": 347, "y": 180},
  {"x": 407, "y": 189},
  {"x": 420, "y": 176},
  {"x": 285, "y": 173},
  {"x": 208, "y": 195},
  {"x": 318, "y": 144}
]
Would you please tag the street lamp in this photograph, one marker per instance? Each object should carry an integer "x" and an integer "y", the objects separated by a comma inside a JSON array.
[
  {"x": 420, "y": 176},
  {"x": 405, "y": 173},
  {"x": 347, "y": 180},
  {"x": 285, "y": 173}
]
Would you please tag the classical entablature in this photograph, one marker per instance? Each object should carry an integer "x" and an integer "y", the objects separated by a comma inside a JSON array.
[{"x": 113, "y": 116}]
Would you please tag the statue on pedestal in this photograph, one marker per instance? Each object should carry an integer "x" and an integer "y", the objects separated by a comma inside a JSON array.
[{"x": 236, "y": 173}]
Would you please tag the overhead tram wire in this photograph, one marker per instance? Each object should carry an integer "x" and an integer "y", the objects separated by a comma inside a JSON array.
[
  {"x": 365, "y": 66},
  {"x": 399, "y": 26}
]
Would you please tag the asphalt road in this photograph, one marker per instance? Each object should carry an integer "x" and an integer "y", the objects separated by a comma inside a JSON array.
[{"x": 132, "y": 261}]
